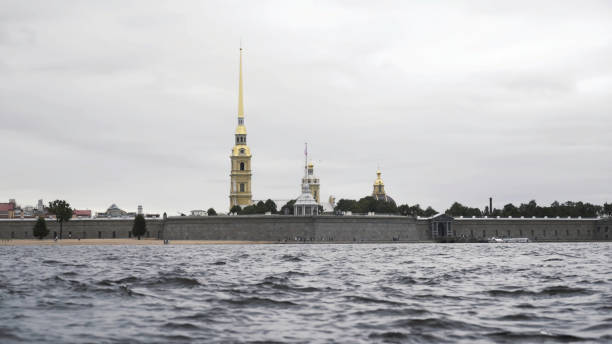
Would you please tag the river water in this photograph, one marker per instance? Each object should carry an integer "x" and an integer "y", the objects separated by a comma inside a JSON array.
[{"x": 413, "y": 293}]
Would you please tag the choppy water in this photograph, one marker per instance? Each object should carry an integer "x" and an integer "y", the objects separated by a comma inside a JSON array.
[{"x": 307, "y": 293}]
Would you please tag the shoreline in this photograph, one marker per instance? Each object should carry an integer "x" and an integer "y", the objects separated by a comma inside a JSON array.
[{"x": 133, "y": 241}]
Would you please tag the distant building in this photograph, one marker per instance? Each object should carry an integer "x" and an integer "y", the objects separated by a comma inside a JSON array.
[
  {"x": 199, "y": 213},
  {"x": 140, "y": 210},
  {"x": 115, "y": 212},
  {"x": 81, "y": 214},
  {"x": 7, "y": 210}
]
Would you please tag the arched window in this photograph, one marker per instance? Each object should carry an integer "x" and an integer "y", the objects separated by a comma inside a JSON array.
[
  {"x": 242, "y": 166},
  {"x": 241, "y": 187}
]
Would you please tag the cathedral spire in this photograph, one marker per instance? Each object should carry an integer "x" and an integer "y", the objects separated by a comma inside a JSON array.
[{"x": 240, "y": 98}]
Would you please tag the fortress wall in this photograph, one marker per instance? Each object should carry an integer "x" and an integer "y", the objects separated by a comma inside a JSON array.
[
  {"x": 368, "y": 228},
  {"x": 534, "y": 229},
  {"x": 321, "y": 228},
  {"x": 247, "y": 228},
  {"x": 80, "y": 228},
  {"x": 288, "y": 228}
]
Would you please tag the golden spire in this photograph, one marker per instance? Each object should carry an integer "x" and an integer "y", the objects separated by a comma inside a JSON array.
[{"x": 240, "y": 100}]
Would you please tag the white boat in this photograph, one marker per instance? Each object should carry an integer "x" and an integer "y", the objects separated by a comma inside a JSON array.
[{"x": 508, "y": 240}]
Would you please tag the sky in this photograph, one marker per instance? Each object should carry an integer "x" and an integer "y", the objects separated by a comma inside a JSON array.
[{"x": 135, "y": 102}]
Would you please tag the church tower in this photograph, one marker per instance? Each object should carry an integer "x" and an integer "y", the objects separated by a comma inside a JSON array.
[
  {"x": 240, "y": 185},
  {"x": 379, "y": 186},
  {"x": 313, "y": 182}
]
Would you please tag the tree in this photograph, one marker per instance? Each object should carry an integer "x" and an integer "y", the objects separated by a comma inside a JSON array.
[
  {"x": 40, "y": 228},
  {"x": 287, "y": 209},
  {"x": 211, "y": 212},
  {"x": 140, "y": 226},
  {"x": 345, "y": 205},
  {"x": 62, "y": 211},
  {"x": 429, "y": 212},
  {"x": 236, "y": 209},
  {"x": 270, "y": 206}
]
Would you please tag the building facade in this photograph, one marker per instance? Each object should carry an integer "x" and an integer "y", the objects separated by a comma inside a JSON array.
[{"x": 240, "y": 176}]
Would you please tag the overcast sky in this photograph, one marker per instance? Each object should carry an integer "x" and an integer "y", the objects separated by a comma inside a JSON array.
[{"x": 135, "y": 102}]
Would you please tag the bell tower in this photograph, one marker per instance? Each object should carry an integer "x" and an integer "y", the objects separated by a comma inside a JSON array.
[{"x": 240, "y": 184}]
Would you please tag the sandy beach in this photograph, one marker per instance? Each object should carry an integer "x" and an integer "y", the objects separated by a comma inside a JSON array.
[{"x": 66, "y": 242}]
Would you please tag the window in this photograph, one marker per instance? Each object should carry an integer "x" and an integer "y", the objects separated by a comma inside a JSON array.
[
  {"x": 99, "y": 235},
  {"x": 242, "y": 166},
  {"x": 241, "y": 187},
  {"x": 241, "y": 150}
]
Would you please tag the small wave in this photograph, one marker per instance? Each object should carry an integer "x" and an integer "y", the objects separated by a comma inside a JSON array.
[
  {"x": 525, "y": 305},
  {"x": 219, "y": 263},
  {"x": 363, "y": 299},
  {"x": 406, "y": 280},
  {"x": 196, "y": 316},
  {"x": 127, "y": 291},
  {"x": 388, "y": 335},
  {"x": 261, "y": 302},
  {"x": 549, "y": 291},
  {"x": 598, "y": 327},
  {"x": 393, "y": 312},
  {"x": 437, "y": 323},
  {"x": 180, "y": 326},
  {"x": 291, "y": 258},
  {"x": 553, "y": 260},
  {"x": 173, "y": 281},
  {"x": 51, "y": 261},
  {"x": 523, "y": 317},
  {"x": 533, "y": 336}
]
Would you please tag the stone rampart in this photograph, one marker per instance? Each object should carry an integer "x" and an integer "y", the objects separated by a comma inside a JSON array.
[
  {"x": 320, "y": 228},
  {"x": 78, "y": 228},
  {"x": 289, "y": 228},
  {"x": 536, "y": 229}
]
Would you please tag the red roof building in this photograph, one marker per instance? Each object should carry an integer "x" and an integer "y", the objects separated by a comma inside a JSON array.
[
  {"x": 81, "y": 214},
  {"x": 7, "y": 210}
]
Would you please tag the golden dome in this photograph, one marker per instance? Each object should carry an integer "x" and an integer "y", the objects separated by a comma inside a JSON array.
[
  {"x": 378, "y": 180},
  {"x": 241, "y": 150},
  {"x": 241, "y": 130}
]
